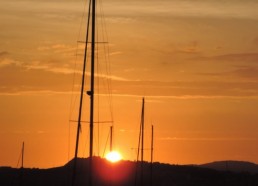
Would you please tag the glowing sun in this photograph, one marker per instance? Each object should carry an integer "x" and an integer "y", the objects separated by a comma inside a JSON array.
[{"x": 113, "y": 156}]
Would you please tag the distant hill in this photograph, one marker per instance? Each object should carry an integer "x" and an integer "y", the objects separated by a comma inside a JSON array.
[
  {"x": 125, "y": 173},
  {"x": 234, "y": 166}
]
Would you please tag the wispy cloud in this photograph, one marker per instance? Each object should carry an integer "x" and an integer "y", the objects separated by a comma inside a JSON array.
[
  {"x": 115, "y": 53},
  {"x": 247, "y": 73},
  {"x": 36, "y": 76},
  {"x": 208, "y": 8},
  {"x": 234, "y": 66},
  {"x": 25, "y": 78},
  {"x": 163, "y": 98},
  {"x": 244, "y": 57},
  {"x": 189, "y": 89},
  {"x": 191, "y": 47},
  {"x": 7, "y": 62},
  {"x": 3, "y": 53},
  {"x": 206, "y": 139},
  {"x": 18, "y": 77},
  {"x": 59, "y": 48},
  {"x": 234, "y": 57}
]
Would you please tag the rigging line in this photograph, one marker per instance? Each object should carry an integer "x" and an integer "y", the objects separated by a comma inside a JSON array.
[
  {"x": 83, "y": 79},
  {"x": 139, "y": 141},
  {"x": 97, "y": 69},
  {"x": 19, "y": 160},
  {"x": 140, "y": 144},
  {"x": 107, "y": 59},
  {"x": 138, "y": 153},
  {"x": 100, "y": 30},
  {"x": 99, "y": 78},
  {"x": 14, "y": 176},
  {"x": 110, "y": 80},
  {"x": 86, "y": 144},
  {"x": 72, "y": 101},
  {"x": 107, "y": 62},
  {"x": 100, "y": 127},
  {"x": 76, "y": 58},
  {"x": 106, "y": 145},
  {"x": 104, "y": 34}
]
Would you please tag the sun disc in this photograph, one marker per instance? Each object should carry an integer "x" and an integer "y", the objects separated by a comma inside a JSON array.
[{"x": 113, "y": 156}]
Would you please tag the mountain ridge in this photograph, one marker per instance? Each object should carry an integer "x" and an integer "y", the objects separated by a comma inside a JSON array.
[
  {"x": 125, "y": 173},
  {"x": 233, "y": 166}
]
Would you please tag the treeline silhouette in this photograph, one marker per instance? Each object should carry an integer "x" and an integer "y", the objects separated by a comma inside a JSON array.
[{"x": 125, "y": 173}]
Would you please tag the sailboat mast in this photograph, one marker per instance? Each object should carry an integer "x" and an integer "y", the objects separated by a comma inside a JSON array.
[
  {"x": 81, "y": 98},
  {"x": 140, "y": 146},
  {"x": 92, "y": 87},
  {"x": 142, "y": 149},
  {"x": 92, "y": 78},
  {"x": 152, "y": 131},
  {"x": 22, "y": 154},
  {"x": 111, "y": 138},
  {"x": 21, "y": 169}
]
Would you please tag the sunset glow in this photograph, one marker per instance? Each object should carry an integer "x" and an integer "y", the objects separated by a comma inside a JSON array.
[{"x": 113, "y": 156}]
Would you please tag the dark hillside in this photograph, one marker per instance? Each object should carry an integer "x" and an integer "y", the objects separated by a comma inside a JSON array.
[
  {"x": 233, "y": 166},
  {"x": 123, "y": 174}
]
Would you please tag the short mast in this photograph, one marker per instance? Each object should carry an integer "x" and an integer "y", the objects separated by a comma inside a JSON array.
[
  {"x": 21, "y": 169},
  {"x": 111, "y": 138},
  {"x": 22, "y": 154},
  {"x": 152, "y": 135}
]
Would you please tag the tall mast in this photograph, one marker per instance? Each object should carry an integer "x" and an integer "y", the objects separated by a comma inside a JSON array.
[
  {"x": 92, "y": 88},
  {"x": 81, "y": 97},
  {"x": 140, "y": 145},
  {"x": 142, "y": 149}
]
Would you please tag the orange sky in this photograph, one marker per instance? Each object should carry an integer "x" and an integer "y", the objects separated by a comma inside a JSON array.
[{"x": 195, "y": 63}]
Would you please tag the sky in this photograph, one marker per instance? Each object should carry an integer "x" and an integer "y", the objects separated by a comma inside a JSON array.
[{"x": 195, "y": 62}]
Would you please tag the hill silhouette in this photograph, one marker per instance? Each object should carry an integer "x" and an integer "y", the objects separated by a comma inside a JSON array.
[
  {"x": 124, "y": 174},
  {"x": 233, "y": 166}
]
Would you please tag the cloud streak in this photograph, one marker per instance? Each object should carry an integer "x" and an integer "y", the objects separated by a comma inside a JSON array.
[
  {"x": 235, "y": 57},
  {"x": 206, "y": 139},
  {"x": 186, "y": 8},
  {"x": 189, "y": 89},
  {"x": 3, "y": 53}
]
